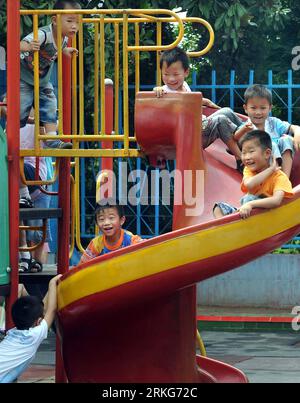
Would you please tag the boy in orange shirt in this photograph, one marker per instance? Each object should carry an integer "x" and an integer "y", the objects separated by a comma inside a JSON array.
[
  {"x": 263, "y": 182},
  {"x": 109, "y": 218}
]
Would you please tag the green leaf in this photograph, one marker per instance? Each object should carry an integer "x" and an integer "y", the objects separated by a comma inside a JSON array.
[
  {"x": 27, "y": 21},
  {"x": 219, "y": 22}
]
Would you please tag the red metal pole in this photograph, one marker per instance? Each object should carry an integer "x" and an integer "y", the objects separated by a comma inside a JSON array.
[
  {"x": 13, "y": 140},
  {"x": 64, "y": 203}
]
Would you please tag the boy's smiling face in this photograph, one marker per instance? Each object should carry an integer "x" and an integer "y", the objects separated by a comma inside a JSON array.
[
  {"x": 258, "y": 110},
  {"x": 110, "y": 223},
  {"x": 174, "y": 75},
  {"x": 254, "y": 156}
]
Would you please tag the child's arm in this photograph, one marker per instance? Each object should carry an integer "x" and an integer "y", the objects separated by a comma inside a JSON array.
[
  {"x": 256, "y": 180},
  {"x": 29, "y": 46},
  {"x": 69, "y": 51},
  {"x": 296, "y": 132},
  {"x": 268, "y": 202},
  {"x": 243, "y": 130},
  {"x": 209, "y": 103},
  {"x": 50, "y": 300}
]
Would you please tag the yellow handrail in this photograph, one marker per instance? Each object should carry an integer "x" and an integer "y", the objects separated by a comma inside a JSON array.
[
  {"x": 201, "y": 344},
  {"x": 100, "y": 18},
  {"x": 211, "y": 36},
  {"x": 38, "y": 182}
]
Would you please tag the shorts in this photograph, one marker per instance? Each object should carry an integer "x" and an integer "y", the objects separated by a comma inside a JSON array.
[
  {"x": 48, "y": 103},
  {"x": 227, "y": 208},
  {"x": 284, "y": 143}
]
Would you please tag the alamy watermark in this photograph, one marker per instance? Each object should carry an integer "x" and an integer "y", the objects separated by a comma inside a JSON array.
[
  {"x": 139, "y": 188},
  {"x": 296, "y": 319},
  {"x": 296, "y": 59}
]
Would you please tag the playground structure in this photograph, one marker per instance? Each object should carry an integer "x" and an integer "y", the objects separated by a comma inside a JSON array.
[{"x": 118, "y": 321}]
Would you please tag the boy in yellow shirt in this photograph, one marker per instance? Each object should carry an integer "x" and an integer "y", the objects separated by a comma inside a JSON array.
[{"x": 264, "y": 184}]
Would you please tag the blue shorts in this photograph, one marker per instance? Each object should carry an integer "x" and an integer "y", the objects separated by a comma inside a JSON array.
[
  {"x": 48, "y": 103},
  {"x": 285, "y": 143},
  {"x": 227, "y": 208}
]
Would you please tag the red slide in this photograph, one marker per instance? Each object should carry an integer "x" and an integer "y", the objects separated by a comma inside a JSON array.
[{"x": 130, "y": 316}]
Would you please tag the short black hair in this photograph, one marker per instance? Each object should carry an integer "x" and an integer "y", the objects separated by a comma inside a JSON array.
[
  {"x": 26, "y": 310},
  {"x": 258, "y": 90},
  {"x": 104, "y": 204},
  {"x": 175, "y": 55},
  {"x": 263, "y": 139},
  {"x": 65, "y": 4}
]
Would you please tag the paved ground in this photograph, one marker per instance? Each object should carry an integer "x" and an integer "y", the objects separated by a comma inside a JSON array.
[{"x": 263, "y": 357}]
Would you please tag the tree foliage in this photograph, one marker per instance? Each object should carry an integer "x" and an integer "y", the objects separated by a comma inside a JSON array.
[{"x": 249, "y": 34}]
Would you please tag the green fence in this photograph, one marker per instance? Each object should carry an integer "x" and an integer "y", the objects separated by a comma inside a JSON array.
[{"x": 4, "y": 221}]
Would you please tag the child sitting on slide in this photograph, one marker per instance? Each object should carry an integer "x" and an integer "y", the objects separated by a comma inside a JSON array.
[{"x": 264, "y": 184}]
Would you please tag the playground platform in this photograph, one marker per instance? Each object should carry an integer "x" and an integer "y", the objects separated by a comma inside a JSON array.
[
  {"x": 265, "y": 355},
  {"x": 243, "y": 318}
]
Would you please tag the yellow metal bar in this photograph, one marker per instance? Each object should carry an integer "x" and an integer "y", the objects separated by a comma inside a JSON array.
[
  {"x": 211, "y": 36},
  {"x": 87, "y": 137},
  {"x": 137, "y": 58},
  {"x": 108, "y": 20},
  {"x": 81, "y": 81},
  {"x": 36, "y": 86},
  {"x": 59, "y": 79},
  {"x": 43, "y": 228},
  {"x": 159, "y": 42},
  {"x": 96, "y": 80},
  {"x": 161, "y": 20},
  {"x": 115, "y": 153},
  {"x": 38, "y": 182},
  {"x": 125, "y": 84},
  {"x": 148, "y": 17},
  {"x": 102, "y": 70},
  {"x": 117, "y": 77},
  {"x": 74, "y": 92},
  {"x": 145, "y": 13},
  {"x": 201, "y": 344}
]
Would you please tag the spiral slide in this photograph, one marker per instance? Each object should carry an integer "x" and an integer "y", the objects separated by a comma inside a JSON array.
[{"x": 130, "y": 316}]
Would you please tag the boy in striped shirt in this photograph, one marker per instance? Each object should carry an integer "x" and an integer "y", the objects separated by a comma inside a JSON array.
[{"x": 109, "y": 218}]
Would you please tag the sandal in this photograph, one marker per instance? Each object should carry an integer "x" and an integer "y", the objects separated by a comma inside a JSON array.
[
  {"x": 29, "y": 265},
  {"x": 35, "y": 266},
  {"x": 24, "y": 265}
]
